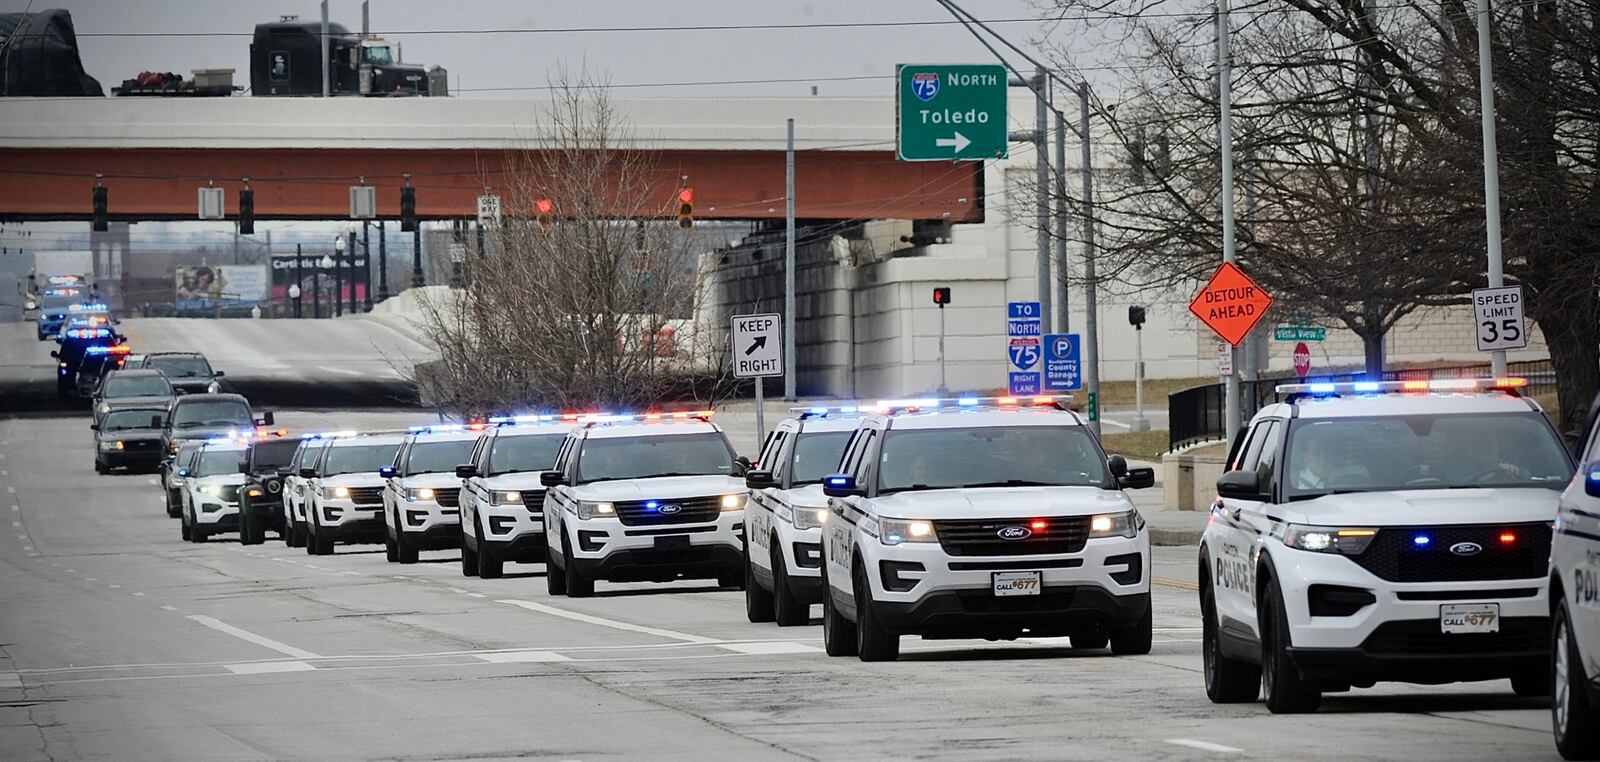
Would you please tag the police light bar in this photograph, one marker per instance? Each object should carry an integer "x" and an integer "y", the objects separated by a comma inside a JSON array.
[
  {"x": 88, "y": 333},
  {"x": 969, "y": 403},
  {"x": 120, "y": 349},
  {"x": 65, "y": 280},
  {"x": 87, "y": 307},
  {"x": 824, "y": 411},
  {"x": 681, "y": 415},
  {"x": 438, "y": 428},
  {"x": 1414, "y": 386},
  {"x": 503, "y": 420}
]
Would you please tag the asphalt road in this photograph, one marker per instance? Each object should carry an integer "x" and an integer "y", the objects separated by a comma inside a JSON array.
[{"x": 119, "y": 641}]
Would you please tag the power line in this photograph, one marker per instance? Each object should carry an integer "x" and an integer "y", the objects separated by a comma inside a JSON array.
[{"x": 820, "y": 25}]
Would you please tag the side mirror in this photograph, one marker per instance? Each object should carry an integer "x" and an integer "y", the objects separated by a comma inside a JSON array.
[
  {"x": 466, "y": 471},
  {"x": 1118, "y": 466},
  {"x": 308, "y": 473},
  {"x": 55, "y": 354},
  {"x": 741, "y": 466},
  {"x": 552, "y": 478},
  {"x": 1591, "y": 480},
  {"x": 1243, "y": 485},
  {"x": 94, "y": 427},
  {"x": 842, "y": 485},
  {"x": 1138, "y": 478},
  {"x": 759, "y": 479},
  {"x": 220, "y": 374},
  {"x": 244, "y": 467},
  {"x": 264, "y": 419},
  {"x": 387, "y": 472}
]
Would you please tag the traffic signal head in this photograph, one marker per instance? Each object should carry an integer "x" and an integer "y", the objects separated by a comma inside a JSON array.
[
  {"x": 941, "y": 295},
  {"x": 247, "y": 212},
  {"x": 1135, "y": 316},
  {"x": 100, "y": 223},
  {"x": 408, "y": 208},
  {"x": 545, "y": 209},
  {"x": 685, "y": 208}
]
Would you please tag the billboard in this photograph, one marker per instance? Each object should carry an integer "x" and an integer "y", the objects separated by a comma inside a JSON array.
[{"x": 200, "y": 286}]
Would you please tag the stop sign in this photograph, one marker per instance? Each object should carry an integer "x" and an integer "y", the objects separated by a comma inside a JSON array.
[{"x": 1302, "y": 360}]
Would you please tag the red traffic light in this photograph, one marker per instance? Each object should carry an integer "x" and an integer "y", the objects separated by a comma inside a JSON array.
[
  {"x": 686, "y": 195},
  {"x": 941, "y": 295},
  {"x": 544, "y": 205}
]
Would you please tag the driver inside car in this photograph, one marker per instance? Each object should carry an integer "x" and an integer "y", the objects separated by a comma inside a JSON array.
[{"x": 1318, "y": 466}]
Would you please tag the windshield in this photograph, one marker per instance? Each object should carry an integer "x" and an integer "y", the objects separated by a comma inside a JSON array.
[
  {"x": 60, "y": 301},
  {"x": 438, "y": 457},
  {"x": 524, "y": 453},
  {"x": 817, "y": 455},
  {"x": 179, "y": 367},
  {"x": 272, "y": 455},
  {"x": 1424, "y": 452},
  {"x": 136, "y": 386},
  {"x": 997, "y": 456},
  {"x": 218, "y": 462},
  {"x": 122, "y": 420},
  {"x": 188, "y": 415},
  {"x": 359, "y": 459},
  {"x": 378, "y": 54},
  {"x": 661, "y": 455}
]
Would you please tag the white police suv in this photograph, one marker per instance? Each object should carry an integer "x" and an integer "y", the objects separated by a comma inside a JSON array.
[
  {"x": 982, "y": 518},
  {"x": 422, "y": 494},
  {"x": 1374, "y": 531},
  {"x": 344, "y": 491},
  {"x": 211, "y": 481},
  {"x": 295, "y": 492},
  {"x": 1575, "y": 608},
  {"x": 652, "y": 497},
  {"x": 786, "y": 510},
  {"x": 502, "y": 501}
]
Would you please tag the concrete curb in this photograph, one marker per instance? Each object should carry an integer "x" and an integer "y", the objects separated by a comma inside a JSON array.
[{"x": 1174, "y": 537}]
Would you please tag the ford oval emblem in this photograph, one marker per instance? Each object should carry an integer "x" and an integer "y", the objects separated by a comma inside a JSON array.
[
  {"x": 669, "y": 508},
  {"x": 1014, "y": 533},
  {"x": 1466, "y": 548}
]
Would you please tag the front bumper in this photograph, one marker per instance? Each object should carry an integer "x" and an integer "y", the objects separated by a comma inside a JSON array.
[
  {"x": 1056, "y": 611},
  {"x": 1415, "y": 651},
  {"x": 511, "y": 533},
  {"x": 216, "y": 514},
  {"x": 800, "y": 551},
  {"x": 344, "y": 521},
  {"x": 429, "y": 526},
  {"x": 606, "y": 549},
  {"x": 144, "y": 458}
]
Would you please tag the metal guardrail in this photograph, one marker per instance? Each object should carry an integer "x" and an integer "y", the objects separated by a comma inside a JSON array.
[{"x": 1195, "y": 414}]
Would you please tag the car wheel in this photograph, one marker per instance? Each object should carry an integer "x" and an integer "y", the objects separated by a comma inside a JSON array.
[
  {"x": 183, "y": 527},
  {"x": 1133, "y": 639},
  {"x": 578, "y": 585},
  {"x": 469, "y": 558},
  {"x": 1228, "y": 681},
  {"x": 1285, "y": 690},
  {"x": 874, "y": 642},
  {"x": 757, "y": 601},
  {"x": 489, "y": 567},
  {"x": 296, "y": 538},
  {"x": 838, "y": 636},
  {"x": 1574, "y": 718},
  {"x": 196, "y": 533},
  {"x": 174, "y": 505},
  {"x": 555, "y": 579},
  {"x": 1088, "y": 640},
  {"x": 251, "y": 529},
  {"x": 99, "y": 467},
  {"x": 391, "y": 549},
  {"x": 787, "y": 610},
  {"x": 404, "y": 552},
  {"x": 316, "y": 543}
]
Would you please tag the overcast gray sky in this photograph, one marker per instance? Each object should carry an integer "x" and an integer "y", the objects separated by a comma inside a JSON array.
[{"x": 511, "y": 60}]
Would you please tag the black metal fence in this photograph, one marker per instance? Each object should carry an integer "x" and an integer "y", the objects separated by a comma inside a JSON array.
[{"x": 1196, "y": 414}]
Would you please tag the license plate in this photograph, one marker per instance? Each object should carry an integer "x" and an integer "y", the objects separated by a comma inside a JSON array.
[
  {"x": 673, "y": 542},
  {"x": 1017, "y": 583},
  {"x": 1462, "y": 618}
]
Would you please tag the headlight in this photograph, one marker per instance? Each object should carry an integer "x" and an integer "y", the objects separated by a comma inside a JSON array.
[
  {"x": 810, "y": 518},
  {"x": 505, "y": 497},
  {"x": 1349, "y": 541},
  {"x": 896, "y": 531},
  {"x": 732, "y": 502},
  {"x": 206, "y": 489},
  {"x": 336, "y": 492},
  {"x": 419, "y": 493},
  {"x": 588, "y": 510},
  {"x": 214, "y": 387},
  {"x": 105, "y": 407},
  {"x": 1125, "y": 524},
  {"x": 31, "y": 305}
]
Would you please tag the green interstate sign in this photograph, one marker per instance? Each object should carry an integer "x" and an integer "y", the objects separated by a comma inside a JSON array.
[
  {"x": 951, "y": 111},
  {"x": 1299, "y": 333}
]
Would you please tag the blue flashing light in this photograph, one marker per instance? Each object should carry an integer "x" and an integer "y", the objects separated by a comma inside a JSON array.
[
  {"x": 967, "y": 402},
  {"x": 849, "y": 409},
  {"x": 1323, "y": 388},
  {"x": 837, "y": 481},
  {"x": 651, "y": 504},
  {"x": 819, "y": 410},
  {"x": 1421, "y": 540},
  {"x": 1594, "y": 475},
  {"x": 1368, "y": 386}
]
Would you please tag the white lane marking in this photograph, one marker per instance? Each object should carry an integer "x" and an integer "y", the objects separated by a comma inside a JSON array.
[
  {"x": 16, "y": 507},
  {"x": 456, "y": 590},
  {"x": 16, "y": 523},
  {"x": 476, "y": 595},
  {"x": 22, "y": 537},
  {"x": 168, "y": 608},
  {"x": 138, "y": 595},
  {"x": 260, "y": 640},
  {"x": 70, "y": 571},
  {"x": 154, "y": 481},
  {"x": 612, "y": 623},
  {"x": 91, "y": 579},
  {"x": 10, "y": 680},
  {"x": 4, "y": 472},
  {"x": 114, "y": 587},
  {"x": 10, "y": 489},
  {"x": 763, "y": 649},
  {"x": 267, "y": 667},
  {"x": 522, "y": 656},
  {"x": 1203, "y": 745}
]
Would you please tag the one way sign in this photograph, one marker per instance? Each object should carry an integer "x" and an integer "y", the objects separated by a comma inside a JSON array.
[{"x": 757, "y": 345}]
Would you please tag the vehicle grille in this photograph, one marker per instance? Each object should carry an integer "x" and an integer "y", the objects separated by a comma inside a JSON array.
[
  {"x": 447, "y": 497},
  {"x": 1394, "y": 556},
  {"x": 980, "y": 537},
  {"x": 533, "y": 500},
  {"x": 692, "y": 510},
  {"x": 1422, "y": 637},
  {"x": 140, "y": 445},
  {"x": 366, "y": 495}
]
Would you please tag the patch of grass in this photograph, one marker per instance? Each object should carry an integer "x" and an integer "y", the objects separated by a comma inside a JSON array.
[
  {"x": 1136, "y": 445},
  {"x": 1120, "y": 393}
]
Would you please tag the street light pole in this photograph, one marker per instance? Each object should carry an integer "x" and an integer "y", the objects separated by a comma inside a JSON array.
[
  {"x": 1491, "y": 167},
  {"x": 416, "y": 257},
  {"x": 383, "y": 262},
  {"x": 366, "y": 267},
  {"x": 338, "y": 275},
  {"x": 350, "y": 255},
  {"x": 299, "y": 278},
  {"x": 1230, "y": 407}
]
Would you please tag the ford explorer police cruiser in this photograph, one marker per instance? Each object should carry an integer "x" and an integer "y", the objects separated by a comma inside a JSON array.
[
  {"x": 1575, "y": 608},
  {"x": 422, "y": 494},
  {"x": 211, "y": 482},
  {"x": 652, "y": 497},
  {"x": 1375, "y": 531},
  {"x": 344, "y": 491},
  {"x": 295, "y": 490},
  {"x": 992, "y": 518},
  {"x": 502, "y": 500},
  {"x": 783, "y": 519}
]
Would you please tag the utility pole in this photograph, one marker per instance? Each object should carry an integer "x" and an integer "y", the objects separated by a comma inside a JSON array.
[
  {"x": 366, "y": 267},
  {"x": 326, "y": 82},
  {"x": 1230, "y": 407},
  {"x": 1091, "y": 318},
  {"x": 383, "y": 262},
  {"x": 1065, "y": 324},
  {"x": 1252, "y": 340},
  {"x": 350, "y": 250},
  {"x": 417, "y": 280},
  {"x": 790, "y": 362},
  {"x": 1042, "y": 197},
  {"x": 299, "y": 278},
  {"x": 1491, "y": 167}
]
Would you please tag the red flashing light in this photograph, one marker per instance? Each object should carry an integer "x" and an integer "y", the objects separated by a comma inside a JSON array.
[
  {"x": 1510, "y": 383},
  {"x": 1038, "y": 525},
  {"x": 544, "y": 205},
  {"x": 1044, "y": 400},
  {"x": 1006, "y": 401},
  {"x": 1507, "y": 538},
  {"x": 686, "y": 195},
  {"x": 652, "y": 416}
]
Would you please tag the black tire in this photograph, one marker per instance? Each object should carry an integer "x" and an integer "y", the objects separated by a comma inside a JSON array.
[
  {"x": 316, "y": 543},
  {"x": 183, "y": 527},
  {"x": 391, "y": 553},
  {"x": 469, "y": 558},
  {"x": 757, "y": 601},
  {"x": 838, "y": 634},
  {"x": 1134, "y": 639},
  {"x": 174, "y": 505},
  {"x": 555, "y": 578},
  {"x": 404, "y": 552},
  {"x": 296, "y": 537},
  {"x": 100, "y": 468},
  {"x": 1532, "y": 682},
  {"x": 874, "y": 642},
  {"x": 787, "y": 610},
  {"x": 1088, "y": 640},
  {"x": 251, "y": 529},
  {"x": 489, "y": 567},
  {"x": 1228, "y": 681},
  {"x": 578, "y": 585},
  {"x": 1285, "y": 692},
  {"x": 1575, "y": 720}
]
